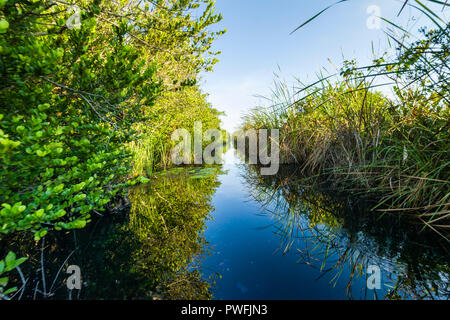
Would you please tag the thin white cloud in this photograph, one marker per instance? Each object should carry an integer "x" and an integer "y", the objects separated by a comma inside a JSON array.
[{"x": 235, "y": 99}]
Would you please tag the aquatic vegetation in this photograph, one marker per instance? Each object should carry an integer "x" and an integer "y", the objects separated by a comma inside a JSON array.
[{"x": 392, "y": 148}]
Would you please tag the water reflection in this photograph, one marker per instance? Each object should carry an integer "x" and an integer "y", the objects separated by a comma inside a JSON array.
[
  {"x": 333, "y": 234},
  {"x": 150, "y": 252},
  {"x": 290, "y": 241}
]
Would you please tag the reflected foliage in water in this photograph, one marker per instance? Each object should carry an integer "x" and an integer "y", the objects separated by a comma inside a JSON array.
[
  {"x": 150, "y": 250},
  {"x": 332, "y": 233}
]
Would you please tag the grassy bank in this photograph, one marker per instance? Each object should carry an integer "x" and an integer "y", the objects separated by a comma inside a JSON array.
[{"x": 388, "y": 146}]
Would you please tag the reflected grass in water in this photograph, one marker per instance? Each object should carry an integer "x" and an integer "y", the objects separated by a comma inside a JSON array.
[
  {"x": 149, "y": 251},
  {"x": 332, "y": 232}
]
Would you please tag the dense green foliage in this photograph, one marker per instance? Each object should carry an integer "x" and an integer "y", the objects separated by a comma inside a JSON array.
[
  {"x": 182, "y": 46},
  {"x": 173, "y": 110},
  {"x": 75, "y": 94},
  {"x": 68, "y": 98}
]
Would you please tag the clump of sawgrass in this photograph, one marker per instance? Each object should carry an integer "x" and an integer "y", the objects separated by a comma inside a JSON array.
[
  {"x": 392, "y": 148},
  {"x": 365, "y": 144}
]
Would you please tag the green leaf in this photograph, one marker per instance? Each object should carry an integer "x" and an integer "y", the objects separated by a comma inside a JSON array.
[
  {"x": 3, "y": 281},
  {"x": 10, "y": 258},
  {"x": 11, "y": 290}
]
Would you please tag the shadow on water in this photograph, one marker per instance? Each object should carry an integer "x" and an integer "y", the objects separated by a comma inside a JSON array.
[
  {"x": 148, "y": 250},
  {"x": 333, "y": 234}
]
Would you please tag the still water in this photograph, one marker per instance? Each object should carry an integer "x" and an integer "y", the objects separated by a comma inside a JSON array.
[
  {"x": 249, "y": 251},
  {"x": 228, "y": 233},
  {"x": 272, "y": 242}
]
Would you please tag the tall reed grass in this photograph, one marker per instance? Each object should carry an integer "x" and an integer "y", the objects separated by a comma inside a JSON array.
[{"x": 393, "y": 148}]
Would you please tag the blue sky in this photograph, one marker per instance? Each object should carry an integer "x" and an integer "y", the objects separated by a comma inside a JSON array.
[{"x": 257, "y": 44}]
